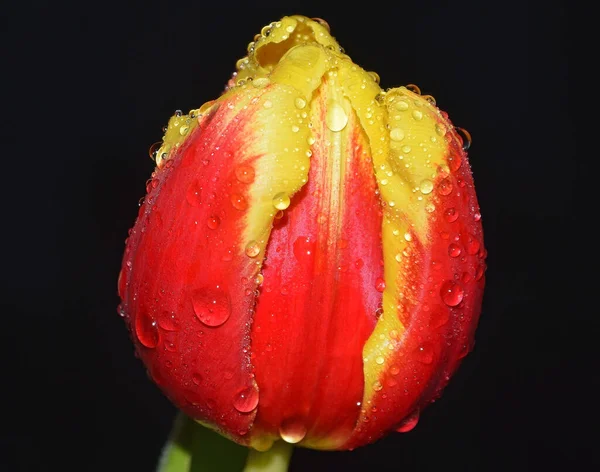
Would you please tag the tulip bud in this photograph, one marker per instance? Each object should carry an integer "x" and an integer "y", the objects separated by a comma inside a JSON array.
[{"x": 308, "y": 262}]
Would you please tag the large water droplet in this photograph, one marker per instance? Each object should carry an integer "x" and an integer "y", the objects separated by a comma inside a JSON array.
[
  {"x": 168, "y": 321},
  {"x": 238, "y": 201},
  {"x": 252, "y": 249},
  {"x": 211, "y": 306},
  {"x": 454, "y": 250},
  {"x": 452, "y": 293},
  {"x": 336, "y": 118},
  {"x": 281, "y": 201},
  {"x": 445, "y": 187},
  {"x": 300, "y": 102},
  {"x": 465, "y": 137},
  {"x": 380, "y": 284},
  {"x": 397, "y": 134},
  {"x": 193, "y": 194},
  {"x": 244, "y": 174},
  {"x": 426, "y": 186},
  {"x": 304, "y": 250},
  {"x": 292, "y": 430},
  {"x": 408, "y": 423},
  {"x": 424, "y": 353},
  {"x": 451, "y": 215},
  {"x": 146, "y": 329},
  {"x": 246, "y": 399},
  {"x": 471, "y": 244},
  {"x": 213, "y": 222},
  {"x": 153, "y": 151}
]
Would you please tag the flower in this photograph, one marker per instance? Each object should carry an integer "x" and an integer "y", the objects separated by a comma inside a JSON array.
[{"x": 308, "y": 262}]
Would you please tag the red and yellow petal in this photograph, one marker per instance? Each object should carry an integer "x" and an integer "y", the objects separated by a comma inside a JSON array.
[{"x": 319, "y": 298}]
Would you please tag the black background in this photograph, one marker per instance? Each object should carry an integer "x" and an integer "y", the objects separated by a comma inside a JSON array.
[{"x": 89, "y": 88}]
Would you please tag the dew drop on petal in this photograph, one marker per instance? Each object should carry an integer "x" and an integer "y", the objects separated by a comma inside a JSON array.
[
  {"x": 252, "y": 249},
  {"x": 397, "y": 134},
  {"x": 239, "y": 202},
  {"x": 472, "y": 244},
  {"x": 146, "y": 330},
  {"x": 193, "y": 194},
  {"x": 168, "y": 322},
  {"x": 213, "y": 222},
  {"x": 336, "y": 118},
  {"x": 445, "y": 187},
  {"x": 408, "y": 423},
  {"x": 452, "y": 293},
  {"x": 292, "y": 430},
  {"x": 244, "y": 174},
  {"x": 426, "y": 186},
  {"x": 454, "y": 250},
  {"x": 212, "y": 307},
  {"x": 246, "y": 400},
  {"x": 380, "y": 284},
  {"x": 451, "y": 215},
  {"x": 281, "y": 201},
  {"x": 424, "y": 353}
]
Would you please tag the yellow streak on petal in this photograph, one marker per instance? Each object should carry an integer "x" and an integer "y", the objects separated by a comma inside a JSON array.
[{"x": 407, "y": 154}]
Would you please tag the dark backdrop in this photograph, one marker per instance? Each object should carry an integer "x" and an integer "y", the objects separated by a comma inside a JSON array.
[{"x": 89, "y": 88}]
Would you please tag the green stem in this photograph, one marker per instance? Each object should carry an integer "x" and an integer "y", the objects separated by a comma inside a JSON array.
[
  {"x": 276, "y": 459},
  {"x": 194, "y": 448}
]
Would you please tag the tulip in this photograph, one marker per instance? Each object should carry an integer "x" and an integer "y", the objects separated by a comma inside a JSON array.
[{"x": 308, "y": 262}]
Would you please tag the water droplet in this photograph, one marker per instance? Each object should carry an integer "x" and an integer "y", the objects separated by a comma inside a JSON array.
[
  {"x": 479, "y": 272},
  {"x": 153, "y": 151},
  {"x": 397, "y": 134},
  {"x": 183, "y": 130},
  {"x": 300, "y": 103},
  {"x": 424, "y": 353},
  {"x": 426, "y": 186},
  {"x": 408, "y": 423},
  {"x": 244, "y": 174},
  {"x": 212, "y": 307},
  {"x": 408, "y": 236},
  {"x": 417, "y": 115},
  {"x": 239, "y": 202},
  {"x": 336, "y": 118},
  {"x": 406, "y": 149},
  {"x": 401, "y": 105},
  {"x": 379, "y": 360},
  {"x": 454, "y": 162},
  {"x": 168, "y": 321},
  {"x": 465, "y": 137},
  {"x": 430, "y": 99},
  {"x": 261, "y": 82},
  {"x": 472, "y": 244},
  {"x": 413, "y": 88},
  {"x": 268, "y": 104},
  {"x": 394, "y": 370},
  {"x": 146, "y": 329},
  {"x": 292, "y": 430},
  {"x": 246, "y": 400},
  {"x": 451, "y": 215},
  {"x": 445, "y": 187},
  {"x": 193, "y": 194},
  {"x": 440, "y": 129},
  {"x": 477, "y": 216},
  {"x": 377, "y": 386},
  {"x": 304, "y": 250},
  {"x": 196, "y": 378},
  {"x": 380, "y": 284},
  {"x": 252, "y": 249},
  {"x": 454, "y": 250},
  {"x": 452, "y": 293},
  {"x": 213, "y": 222},
  {"x": 281, "y": 201},
  {"x": 375, "y": 76},
  {"x": 323, "y": 23}
]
